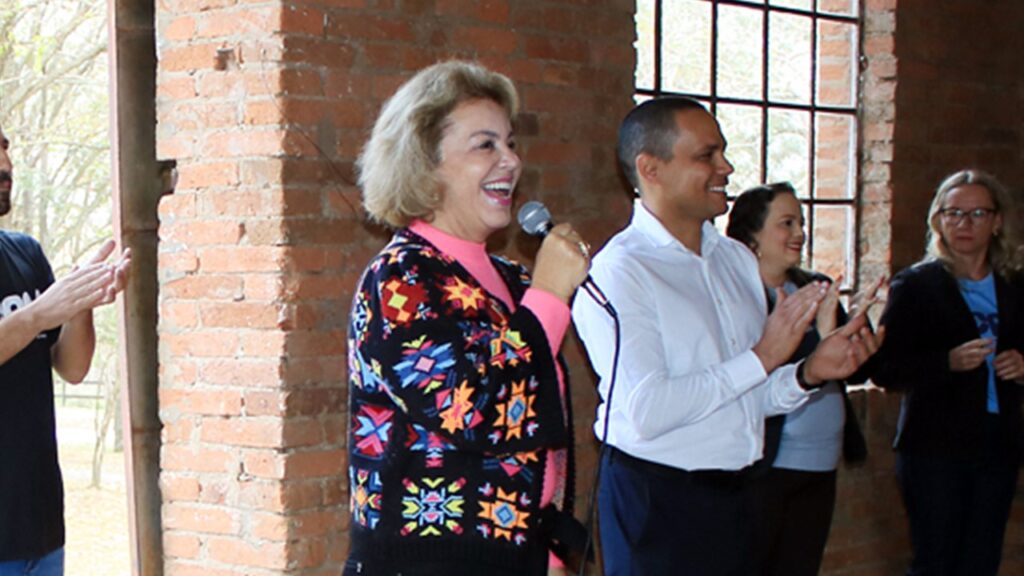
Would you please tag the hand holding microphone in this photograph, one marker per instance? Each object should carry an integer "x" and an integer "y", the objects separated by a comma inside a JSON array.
[{"x": 563, "y": 259}]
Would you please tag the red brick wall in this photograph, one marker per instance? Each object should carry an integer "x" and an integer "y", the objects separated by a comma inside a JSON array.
[
  {"x": 959, "y": 99},
  {"x": 265, "y": 105},
  {"x": 877, "y": 122}
]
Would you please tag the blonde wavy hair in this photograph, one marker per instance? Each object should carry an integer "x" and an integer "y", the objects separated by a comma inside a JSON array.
[
  {"x": 397, "y": 165},
  {"x": 1003, "y": 253}
]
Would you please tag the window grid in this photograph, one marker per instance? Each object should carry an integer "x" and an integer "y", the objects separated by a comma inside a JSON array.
[{"x": 766, "y": 104}]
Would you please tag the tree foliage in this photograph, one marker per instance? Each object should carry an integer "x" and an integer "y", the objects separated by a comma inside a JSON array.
[{"x": 54, "y": 109}]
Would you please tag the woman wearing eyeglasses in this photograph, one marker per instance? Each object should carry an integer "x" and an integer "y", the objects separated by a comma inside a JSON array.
[{"x": 955, "y": 332}]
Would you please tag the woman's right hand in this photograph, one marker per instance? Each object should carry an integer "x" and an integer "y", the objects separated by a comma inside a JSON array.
[
  {"x": 562, "y": 262},
  {"x": 970, "y": 354},
  {"x": 825, "y": 320}
]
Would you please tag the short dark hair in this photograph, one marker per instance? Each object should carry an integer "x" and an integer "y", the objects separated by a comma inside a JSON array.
[
  {"x": 750, "y": 210},
  {"x": 650, "y": 128}
]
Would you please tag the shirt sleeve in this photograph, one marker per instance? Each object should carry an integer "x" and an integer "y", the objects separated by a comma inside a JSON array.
[
  {"x": 552, "y": 313},
  {"x": 783, "y": 393}
]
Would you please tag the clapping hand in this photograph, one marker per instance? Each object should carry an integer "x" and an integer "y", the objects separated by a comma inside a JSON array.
[
  {"x": 95, "y": 283},
  {"x": 787, "y": 323},
  {"x": 841, "y": 352}
]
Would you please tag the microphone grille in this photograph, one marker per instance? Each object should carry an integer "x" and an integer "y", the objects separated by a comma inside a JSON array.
[{"x": 534, "y": 218}]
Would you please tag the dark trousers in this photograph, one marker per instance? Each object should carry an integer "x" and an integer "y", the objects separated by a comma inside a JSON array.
[
  {"x": 656, "y": 520},
  {"x": 794, "y": 514},
  {"x": 958, "y": 509}
]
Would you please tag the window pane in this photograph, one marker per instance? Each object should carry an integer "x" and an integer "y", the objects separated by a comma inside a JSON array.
[
  {"x": 639, "y": 99},
  {"x": 686, "y": 46},
  {"x": 837, "y": 58},
  {"x": 842, "y": 7},
  {"x": 723, "y": 221},
  {"x": 789, "y": 60},
  {"x": 644, "y": 44},
  {"x": 834, "y": 156},
  {"x": 799, "y": 4},
  {"x": 832, "y": 253},
  {"x": 789, "y": 148},
  {"x": 739, "y": 40},
  {"x": 741, "y": 126}
]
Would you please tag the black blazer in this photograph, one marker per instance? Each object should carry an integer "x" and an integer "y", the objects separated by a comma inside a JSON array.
[{"x": 943, "y": 412}]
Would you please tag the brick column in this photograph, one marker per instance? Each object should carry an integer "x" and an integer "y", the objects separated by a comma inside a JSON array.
[
  {"x": 264, "y": 106},
  {"x": 878, "y": 118}
]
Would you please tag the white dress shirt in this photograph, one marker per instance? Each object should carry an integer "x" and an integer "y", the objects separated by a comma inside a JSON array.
[{"x": 690, "y": 392}]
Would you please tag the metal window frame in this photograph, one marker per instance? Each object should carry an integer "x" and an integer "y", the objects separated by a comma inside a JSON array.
[{"x": 765, "y": 104}]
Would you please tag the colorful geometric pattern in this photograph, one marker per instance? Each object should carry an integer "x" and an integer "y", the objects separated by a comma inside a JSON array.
[
  {"x": 508, "y": 348},
  {"x": 513, "y": 465},
  {"x": 444, "y": 398},
  {"x": 371, "y": 430},
  {"x": 433, "y": 505},
  {"x": 419, "y": 439},
  {"x": 365, "y": 501},
  {"x": 425, "y": 364},
  {"x": 475, "y": 333},
  {"x": 364, "y": 375},
  {"x": 503, "y": 515},
  {"x": 514, "y": 406},
  {"x": 361, "y": 316},
  {"x": 456, "y": 410},
  {"x": 401, "y": 301},
  {"x": 462, "y": 295}
]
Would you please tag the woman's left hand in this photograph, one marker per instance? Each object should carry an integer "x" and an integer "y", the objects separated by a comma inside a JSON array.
[
  {"x": 1009, "y": 365},
  {"x": 863, "y": 301},
  {"x": 557, "y": 571}
]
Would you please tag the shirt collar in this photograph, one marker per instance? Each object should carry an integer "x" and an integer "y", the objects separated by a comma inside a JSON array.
[{"x": 656, "y": 232}]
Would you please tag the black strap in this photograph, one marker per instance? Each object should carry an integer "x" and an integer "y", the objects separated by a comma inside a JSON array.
[{"x": 566, "y": 536}]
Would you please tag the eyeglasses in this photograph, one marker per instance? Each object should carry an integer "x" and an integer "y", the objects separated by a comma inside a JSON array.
[{"x": 957, "y": 215}]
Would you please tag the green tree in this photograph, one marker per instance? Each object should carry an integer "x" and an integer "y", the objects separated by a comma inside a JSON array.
[{"x": 54, "y": 109}]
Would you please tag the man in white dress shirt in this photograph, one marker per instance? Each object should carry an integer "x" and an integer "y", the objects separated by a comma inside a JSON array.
[{"x": 701, "y": 361}]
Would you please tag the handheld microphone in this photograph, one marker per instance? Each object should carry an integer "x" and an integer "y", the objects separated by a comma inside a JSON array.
[{"x": 535, "y": 220}]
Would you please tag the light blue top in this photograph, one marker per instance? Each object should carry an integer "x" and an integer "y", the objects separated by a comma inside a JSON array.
[
  {"x": 812, "y": 437},
  {"x": 980, "y": 296}
]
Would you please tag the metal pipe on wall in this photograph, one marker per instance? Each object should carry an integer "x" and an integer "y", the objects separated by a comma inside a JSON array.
[{"x": 137, "y": 186}]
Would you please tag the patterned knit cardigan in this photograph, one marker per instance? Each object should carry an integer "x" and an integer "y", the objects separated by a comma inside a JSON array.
[{"x": 454, "y": 403}]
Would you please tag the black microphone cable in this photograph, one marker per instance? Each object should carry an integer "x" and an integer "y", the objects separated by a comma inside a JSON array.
[
  {"x": 591, "y": 515},
  {"x": 535, "y": 220}
]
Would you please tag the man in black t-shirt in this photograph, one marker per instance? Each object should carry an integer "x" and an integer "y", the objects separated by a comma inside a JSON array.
[{"x": 45, "y": 325}]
